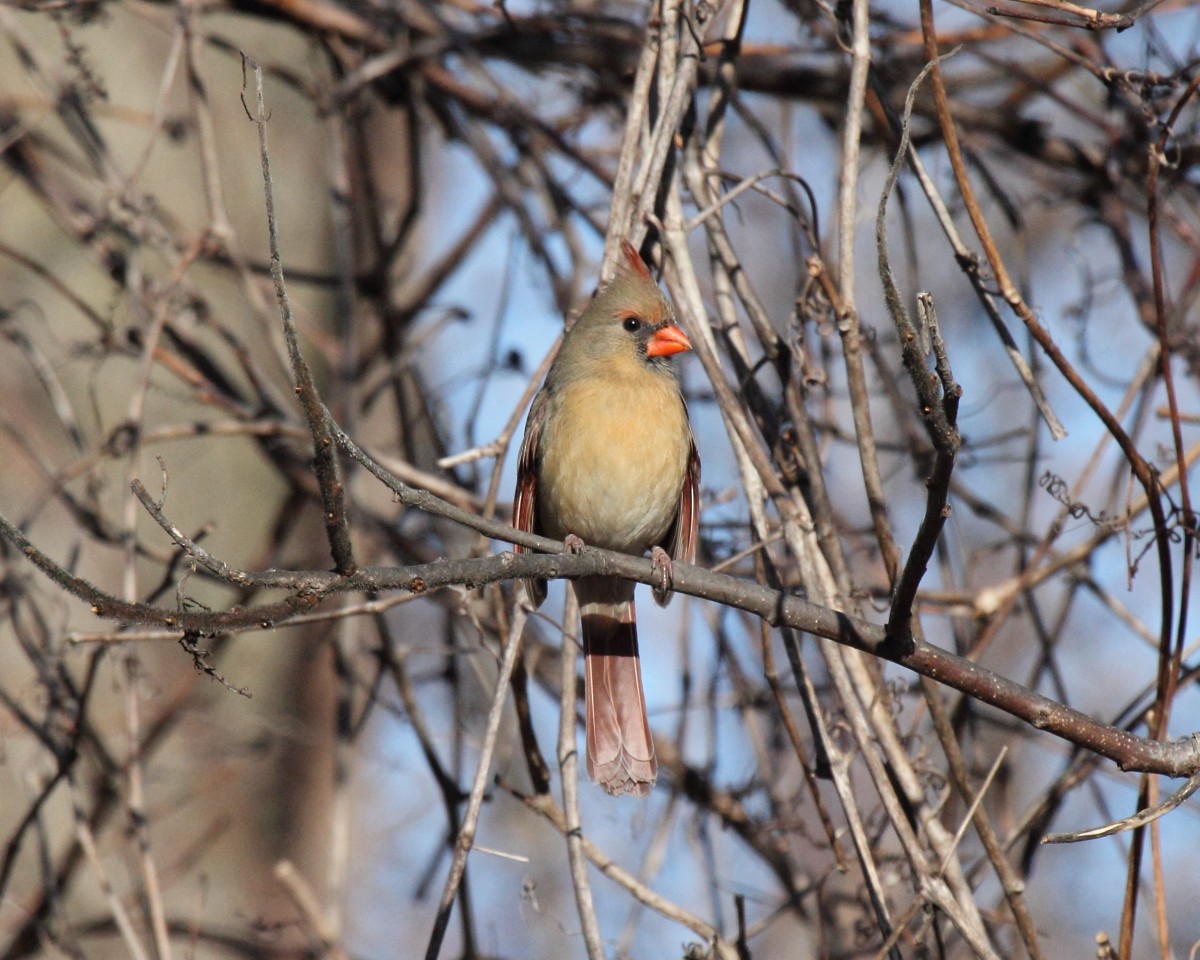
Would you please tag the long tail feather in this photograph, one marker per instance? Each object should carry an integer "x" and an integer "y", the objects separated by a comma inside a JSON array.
[{"x": 620, "y": 748}]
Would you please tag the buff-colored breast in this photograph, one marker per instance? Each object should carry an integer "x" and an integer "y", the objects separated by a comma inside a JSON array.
[{"x": 613, "y": 459}]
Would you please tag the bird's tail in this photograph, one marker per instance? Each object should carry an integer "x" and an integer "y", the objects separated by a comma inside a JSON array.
[{"x": 620, "y": 748}]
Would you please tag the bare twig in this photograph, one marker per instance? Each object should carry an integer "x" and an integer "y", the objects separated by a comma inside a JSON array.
[
  {"x": 466, "y": 833},
  {"x": 1140, "y": 819},
  {"x": 333, "y": 494},
  {"x": 568, "y": 765}
]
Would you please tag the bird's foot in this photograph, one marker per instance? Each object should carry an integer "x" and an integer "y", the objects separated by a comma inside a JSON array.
[
  {"x": 666, "y": 570},
  {"x": 573, "y": 544}
]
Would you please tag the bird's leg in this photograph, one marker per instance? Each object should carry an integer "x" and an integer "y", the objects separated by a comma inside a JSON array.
[
  {"x": 573, "y": 544},
  {"x": 666, "y": 570}
]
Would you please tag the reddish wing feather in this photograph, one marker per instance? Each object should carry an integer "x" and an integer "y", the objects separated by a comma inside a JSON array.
[
  {"x": 525, "y": 501},
  {"x": 687, "y": 526},
  {"x": 680, "y": 541}
]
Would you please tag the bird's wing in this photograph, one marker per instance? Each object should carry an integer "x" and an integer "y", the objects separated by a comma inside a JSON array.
[
  {"x": 687, "y": 524},
  {"x": 525, "y": 501},
  {"x": 680, "y": 541}
]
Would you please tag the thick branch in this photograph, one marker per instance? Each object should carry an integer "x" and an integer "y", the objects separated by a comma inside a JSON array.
[{"x": 308, "y": 588}]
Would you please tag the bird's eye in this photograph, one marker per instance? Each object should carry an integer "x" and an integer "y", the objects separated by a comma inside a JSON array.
[{"x": 632, "y": 324}]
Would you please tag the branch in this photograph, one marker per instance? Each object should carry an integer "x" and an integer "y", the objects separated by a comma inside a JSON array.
[
  {"x": 333, "y": 493},
  {"x": 1179, "y": 758},
  {"x": 1137, "y": 821}
]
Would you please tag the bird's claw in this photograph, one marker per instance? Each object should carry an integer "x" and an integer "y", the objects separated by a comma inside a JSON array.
[
  {"x": 573, "y": 544},
  {"x": 666, "y": 569}
]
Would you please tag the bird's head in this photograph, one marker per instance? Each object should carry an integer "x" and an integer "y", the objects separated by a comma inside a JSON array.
[{"x": 628, "y": 319}]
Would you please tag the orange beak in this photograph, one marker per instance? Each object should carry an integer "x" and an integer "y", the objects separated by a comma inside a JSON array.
[{"x": 667, "y": 341}]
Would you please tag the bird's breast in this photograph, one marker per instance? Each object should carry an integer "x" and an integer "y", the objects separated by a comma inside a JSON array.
[{"x": 614, "y": 452}]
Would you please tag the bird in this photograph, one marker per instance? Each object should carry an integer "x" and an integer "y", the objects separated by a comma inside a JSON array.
[{"x": 609, "y": 460}]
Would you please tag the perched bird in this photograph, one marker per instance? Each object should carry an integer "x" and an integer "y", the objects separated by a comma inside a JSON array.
[{"x": 609, "y": 459}]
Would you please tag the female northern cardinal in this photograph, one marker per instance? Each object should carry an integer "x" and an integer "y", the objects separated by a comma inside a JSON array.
[{"x": 609, "y": 459}]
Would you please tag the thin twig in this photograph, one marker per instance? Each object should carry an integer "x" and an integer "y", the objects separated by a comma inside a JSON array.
[
  {"x": 466, "y": 832},
  {"x": 568, "y": 765},
  {"x": 1138, "y": 820},
  {"x": 301, "y": 893},
  {"x": 333, "y": 494}
]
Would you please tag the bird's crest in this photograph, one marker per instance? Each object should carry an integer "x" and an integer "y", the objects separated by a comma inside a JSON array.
[{"x": 633, "y": 261}]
